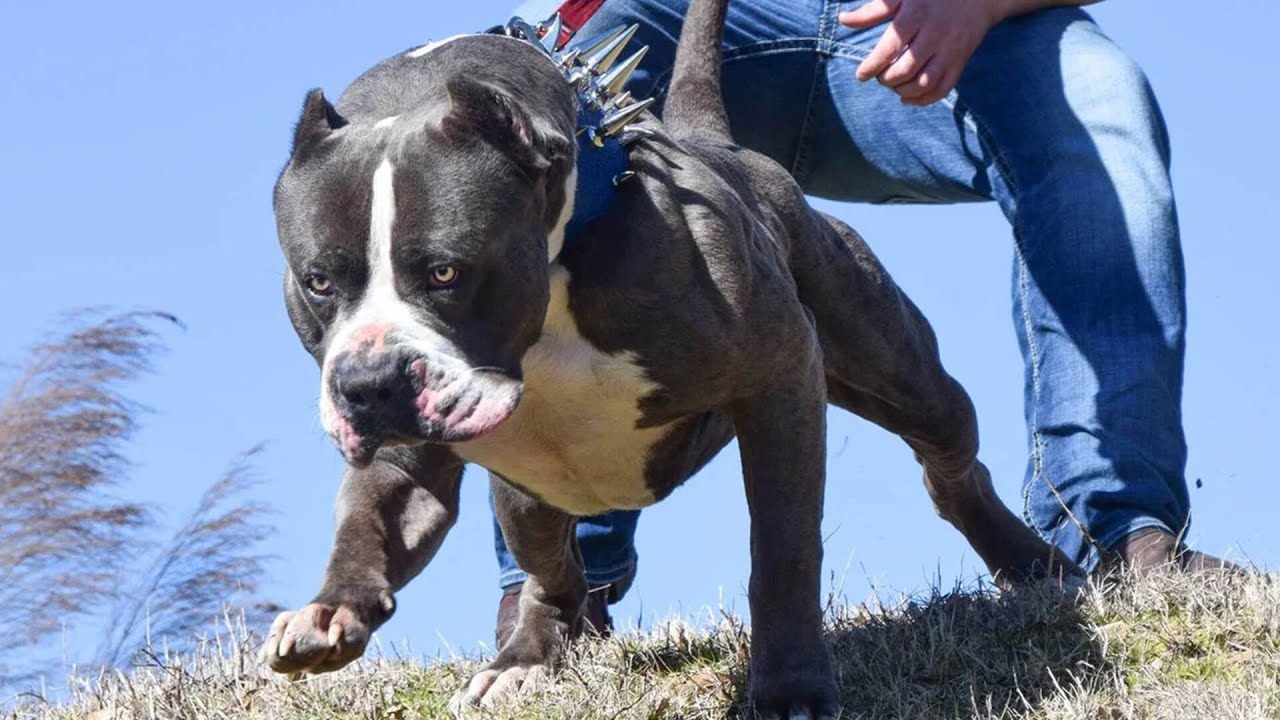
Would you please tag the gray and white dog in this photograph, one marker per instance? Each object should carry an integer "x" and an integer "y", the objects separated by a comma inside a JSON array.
[{"x": 423, "y": 219}]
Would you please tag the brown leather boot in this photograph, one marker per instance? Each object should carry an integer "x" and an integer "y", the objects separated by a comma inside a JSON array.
[
  {"x": 1155, "y": 548},
  {"x": 595, "y": 620}
]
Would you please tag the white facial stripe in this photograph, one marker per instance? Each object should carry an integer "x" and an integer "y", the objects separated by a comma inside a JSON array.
[
  {"x": 381, "y": 306},
  {"x": 382, "y": 218},
  {"x": 386, "y": 122},
  {"x": 555, "y": 240}
]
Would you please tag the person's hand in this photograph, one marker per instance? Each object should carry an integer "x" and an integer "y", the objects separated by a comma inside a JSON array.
[{"x": 926, "y": 46}]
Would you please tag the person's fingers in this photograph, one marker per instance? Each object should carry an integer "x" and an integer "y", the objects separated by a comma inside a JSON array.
[
  {"x": 908, "y": 65},
  {"x": 871, "y": 14},
  {"x": 924, "y": 82},
  {"x": 931, "y": 85},
  {"x": 883, "y": 54}
]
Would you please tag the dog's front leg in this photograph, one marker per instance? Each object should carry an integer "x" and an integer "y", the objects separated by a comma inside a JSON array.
[
  {"x": 782, "y": 437},
  {"x": 542, "y": 541},
  {"x": 392, "y": 517}
]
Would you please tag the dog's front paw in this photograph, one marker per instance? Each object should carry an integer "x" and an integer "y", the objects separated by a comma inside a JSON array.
[
  {"x": 494, "y": 686},
  {"x": 324, "y": 637},
  {"x": 525, "y": 662},
  {"x": 800, "y": 691}
]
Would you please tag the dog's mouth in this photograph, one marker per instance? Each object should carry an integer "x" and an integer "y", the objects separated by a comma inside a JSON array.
[{"x": 415, "y": 402}]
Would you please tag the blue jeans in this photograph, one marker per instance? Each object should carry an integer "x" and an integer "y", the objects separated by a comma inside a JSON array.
[{"x": 1056, "y": 124}]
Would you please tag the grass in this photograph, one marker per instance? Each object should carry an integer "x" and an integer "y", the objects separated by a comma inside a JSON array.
[{"x": 1179, "y": 646}]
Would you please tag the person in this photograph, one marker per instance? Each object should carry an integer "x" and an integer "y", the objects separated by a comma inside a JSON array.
[{"x": 1022, "y": 102}]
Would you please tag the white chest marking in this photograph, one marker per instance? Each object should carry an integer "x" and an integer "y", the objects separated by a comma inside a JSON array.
[{"x": 573, "y": 439}]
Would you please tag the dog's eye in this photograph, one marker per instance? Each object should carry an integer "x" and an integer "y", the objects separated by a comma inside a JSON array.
[
  {"x": 444, "y": 276},
  {"x": 318, "y": 285}
]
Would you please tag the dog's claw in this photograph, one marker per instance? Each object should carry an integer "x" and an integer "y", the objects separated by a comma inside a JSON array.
[{"x": 319, "y": 638}]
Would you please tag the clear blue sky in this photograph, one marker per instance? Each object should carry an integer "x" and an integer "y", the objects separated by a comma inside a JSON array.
[{"x": 139, "y": 142}]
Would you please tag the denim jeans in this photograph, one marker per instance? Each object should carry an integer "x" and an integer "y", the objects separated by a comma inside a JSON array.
[{"x": 1051, "y": 120}]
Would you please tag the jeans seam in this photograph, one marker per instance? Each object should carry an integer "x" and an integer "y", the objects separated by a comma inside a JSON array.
[
  {"x": 821, "y": 50},
  {"x": 954, "y": 101},
  {"x": 1037, "y": 443},
  {"x": 956, "y": 104},
  {"x": 767, "y": 47},
  {"x": 1033, "y": 351}
]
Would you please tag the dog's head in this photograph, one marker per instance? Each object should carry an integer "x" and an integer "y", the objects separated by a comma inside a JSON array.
[{"x": 418, "y": 245}]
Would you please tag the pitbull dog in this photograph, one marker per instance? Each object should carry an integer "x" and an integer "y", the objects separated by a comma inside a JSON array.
[{"x": 423, "y": 220}]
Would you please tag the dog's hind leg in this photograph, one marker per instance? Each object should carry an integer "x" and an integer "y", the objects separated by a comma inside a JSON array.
[
  {"x": 881, "y": 359},
  {"x": 552, "y": 600}
]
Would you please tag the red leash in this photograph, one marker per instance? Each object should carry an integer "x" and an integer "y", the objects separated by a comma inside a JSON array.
[{"x": 574, "y": 14}]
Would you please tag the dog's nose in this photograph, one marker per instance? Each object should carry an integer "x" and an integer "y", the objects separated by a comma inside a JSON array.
[{"x": 372, "y": 387}]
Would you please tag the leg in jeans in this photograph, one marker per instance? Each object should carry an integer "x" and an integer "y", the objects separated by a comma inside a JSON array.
[
  {"x": 1057, "y": 125},
  {"x": 607, "y": 543}
]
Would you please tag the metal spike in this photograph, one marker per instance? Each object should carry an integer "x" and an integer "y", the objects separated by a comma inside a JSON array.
[
  {"x": 569, "y": 58},
  {"x": 601, "y": 60},
  {"x": 609, "y": 37},
  {"x": 614, "y": 122},
  {"x": 618, "y": 101},
  {"x": 623, "y": 177},
  {"x": 551, "y": 29},
  {"x": 613, "y": 81}
]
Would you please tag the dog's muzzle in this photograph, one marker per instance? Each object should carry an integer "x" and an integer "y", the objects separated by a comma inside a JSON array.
[{"x": 396, "y": 396}]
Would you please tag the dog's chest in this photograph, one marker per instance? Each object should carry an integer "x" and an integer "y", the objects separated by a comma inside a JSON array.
[{"x": 574, "y": 441}]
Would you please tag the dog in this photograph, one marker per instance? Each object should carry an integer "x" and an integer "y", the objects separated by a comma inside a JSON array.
[{"x": 430, "y": 273}]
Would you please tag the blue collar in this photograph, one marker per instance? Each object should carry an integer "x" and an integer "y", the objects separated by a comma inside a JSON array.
[
  {"x": 597, "y": 74},
  {"x": 600, "y": 169}
]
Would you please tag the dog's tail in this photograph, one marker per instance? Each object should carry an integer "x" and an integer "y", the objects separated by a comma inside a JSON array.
[{"x": 695, "y": 99}]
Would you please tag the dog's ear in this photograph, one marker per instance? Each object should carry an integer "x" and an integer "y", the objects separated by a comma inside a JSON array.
[
  {"x": 480, "y": 110},
  {"x": 319, "y": 119}
]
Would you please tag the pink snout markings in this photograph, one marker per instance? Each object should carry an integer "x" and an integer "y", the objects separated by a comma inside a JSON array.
[
  {"x": 349, "y": 440},
  {"x": 370, "y": 338},
  {"x": 479, "y": 405}
]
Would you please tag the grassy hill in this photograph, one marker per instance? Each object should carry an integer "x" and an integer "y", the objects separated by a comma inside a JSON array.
[{"x": 1186, "y": 647}]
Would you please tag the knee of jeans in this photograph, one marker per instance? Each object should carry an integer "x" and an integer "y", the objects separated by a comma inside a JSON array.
[
  {"x": 1107, "y": 142},
  {"x": 1111, "y": 98}
]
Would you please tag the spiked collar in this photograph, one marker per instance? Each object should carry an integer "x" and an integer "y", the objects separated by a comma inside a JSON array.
[{"x": 605, "y": 110}]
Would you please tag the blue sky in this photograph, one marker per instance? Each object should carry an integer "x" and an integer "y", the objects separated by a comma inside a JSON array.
[{"x": 139, "y": 143}]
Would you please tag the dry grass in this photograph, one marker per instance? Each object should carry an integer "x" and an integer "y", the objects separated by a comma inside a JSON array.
[
  {"x": 1182, "y": 647},
  {"x": 70, "y": 545}
]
